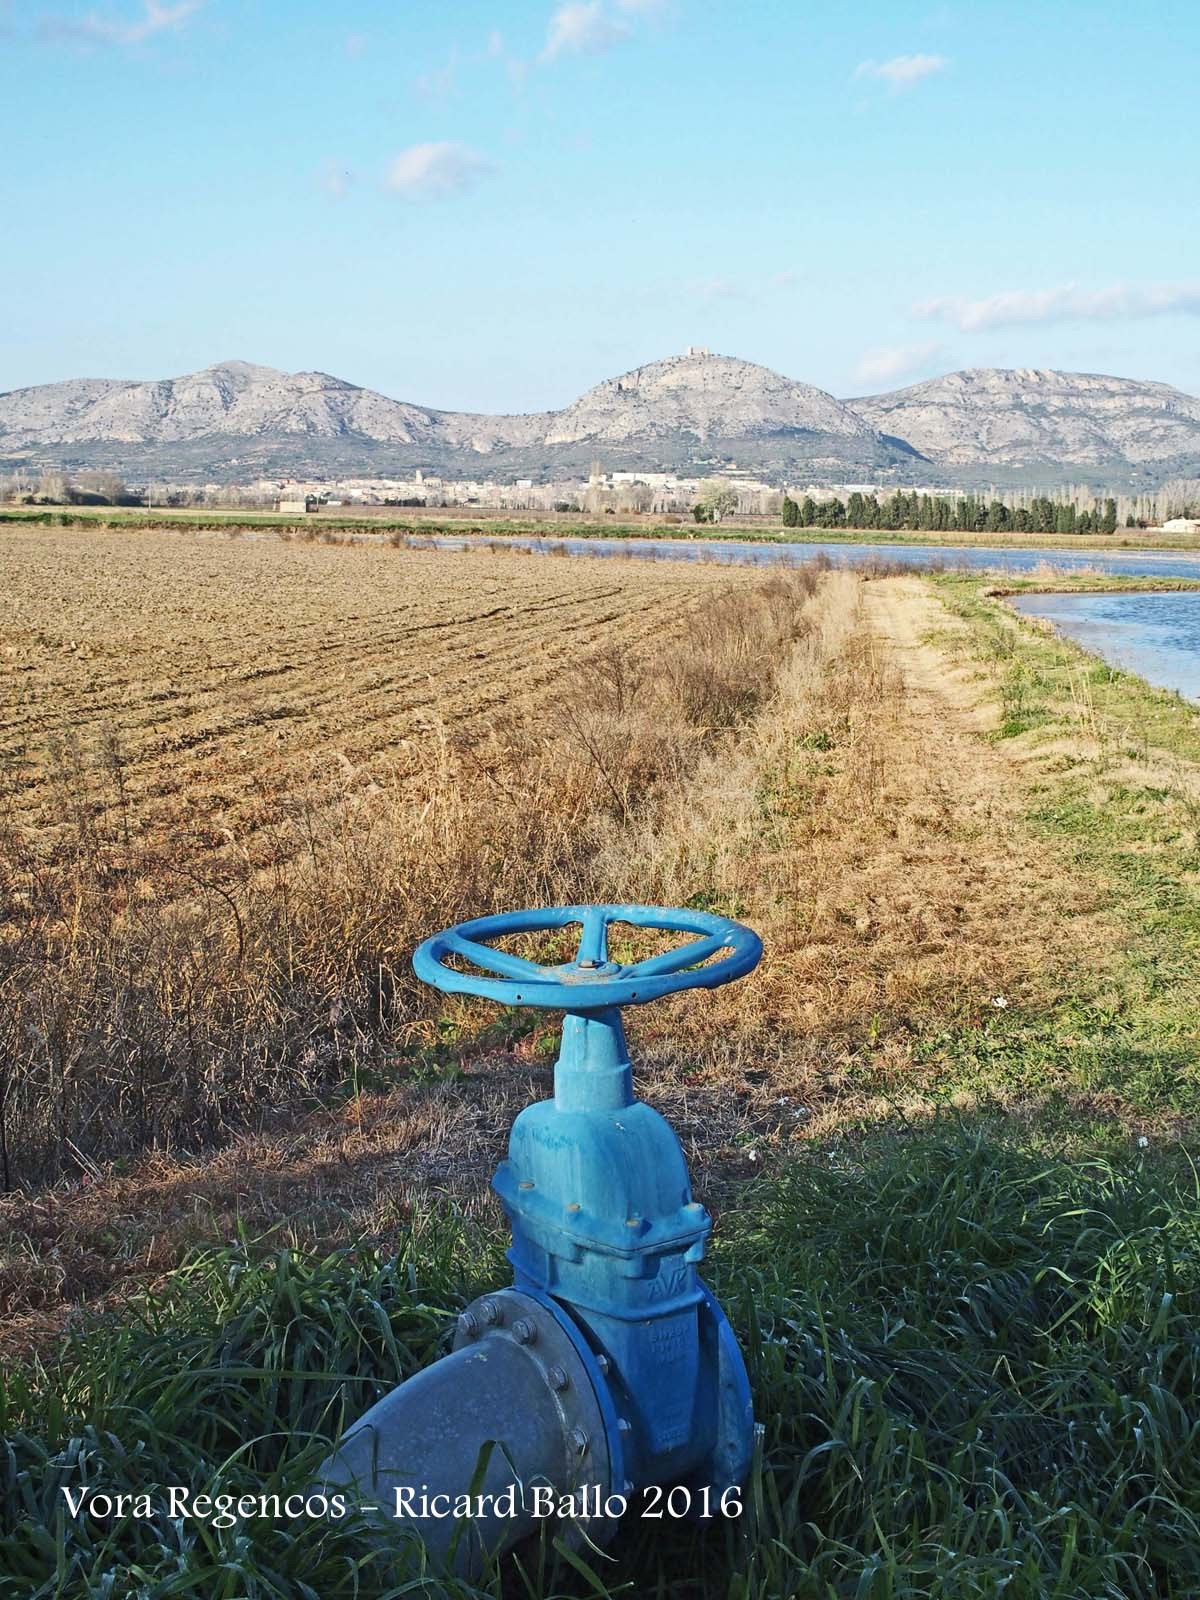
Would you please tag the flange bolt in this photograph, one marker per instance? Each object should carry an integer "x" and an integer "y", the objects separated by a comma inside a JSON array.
[
  {"x": 578, "y": 1440},
  {"x": 558, "y": 1379},
  {"x": 524, "y": 1331},
  {"x": 468, "y": 1325},
  {"x": 491, "y": 1313}
]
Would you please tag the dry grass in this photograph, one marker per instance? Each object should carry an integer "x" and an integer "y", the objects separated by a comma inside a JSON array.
[
  {"x": 877, "y": 838},
  {"x": 159, "y": 988}
]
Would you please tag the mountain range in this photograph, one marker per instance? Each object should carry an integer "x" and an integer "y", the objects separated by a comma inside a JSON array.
[{"x": 235, "y": 420}]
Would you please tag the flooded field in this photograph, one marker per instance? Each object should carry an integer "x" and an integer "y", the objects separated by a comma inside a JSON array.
[
  {"x": 1132, "y": 563},
  {"x": 1154, "y": 635}
]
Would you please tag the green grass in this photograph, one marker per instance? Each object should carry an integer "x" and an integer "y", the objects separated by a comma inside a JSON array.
[
  {"x": 1127, "y": 1034},
  {"x": 1060, "y": 678},
  {"x": 977, "y": 1366},
  {"x": 1082, "y": 582}
]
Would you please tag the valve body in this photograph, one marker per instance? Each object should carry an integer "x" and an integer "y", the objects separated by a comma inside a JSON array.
[{"x": 597, "y": 1192}]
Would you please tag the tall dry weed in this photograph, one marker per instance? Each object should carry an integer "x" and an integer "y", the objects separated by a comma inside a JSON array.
[{"x": 145, "y": 1002}]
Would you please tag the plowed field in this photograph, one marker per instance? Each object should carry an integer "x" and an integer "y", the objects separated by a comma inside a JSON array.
[{"x": 191, "y": 683}]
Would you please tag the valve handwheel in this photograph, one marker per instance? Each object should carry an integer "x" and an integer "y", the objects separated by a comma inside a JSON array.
[{"x": 591, "y": 982}]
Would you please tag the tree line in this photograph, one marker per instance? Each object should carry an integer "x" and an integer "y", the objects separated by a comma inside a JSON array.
[{"x": 935, "y": 513}]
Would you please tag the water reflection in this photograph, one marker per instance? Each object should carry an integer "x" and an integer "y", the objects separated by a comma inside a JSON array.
[{"x": 1155, "y": 635}]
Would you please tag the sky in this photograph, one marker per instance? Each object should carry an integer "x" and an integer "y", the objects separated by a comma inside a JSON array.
[{"x": 492, "y": 206}]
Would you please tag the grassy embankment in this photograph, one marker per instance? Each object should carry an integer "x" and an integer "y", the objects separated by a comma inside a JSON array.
[
  {"x": 1112, "y": 770},
  {"x": 956, "y": 1235},
  {"x": 457, "y": 521}
]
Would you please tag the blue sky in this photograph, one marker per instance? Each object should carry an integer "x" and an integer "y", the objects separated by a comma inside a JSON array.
[{"x": 493, "y": 205}]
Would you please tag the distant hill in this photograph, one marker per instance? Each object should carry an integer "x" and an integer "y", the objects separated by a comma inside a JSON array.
[
  {"x": 704, "y": 397},
  {"x": 1035, "y": 417},
  {"x": 232, "y": 400},
  {"x": 685, "y": 409},
  {"x": 698, "y": 411}
]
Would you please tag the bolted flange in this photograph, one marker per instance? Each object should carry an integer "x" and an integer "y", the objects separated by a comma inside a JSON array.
[{"x": 520, "y": 1404}]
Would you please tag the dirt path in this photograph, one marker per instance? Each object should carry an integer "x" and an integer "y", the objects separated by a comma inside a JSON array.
[
  {"x": 949, "y": 715},
  {"x": 901, "y": 613},
  {"x": 946, "y": 837},
  {"x": 904, "y": 897}
]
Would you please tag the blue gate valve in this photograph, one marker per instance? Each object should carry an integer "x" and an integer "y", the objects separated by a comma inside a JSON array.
[{"x": 609, "y": 1366}]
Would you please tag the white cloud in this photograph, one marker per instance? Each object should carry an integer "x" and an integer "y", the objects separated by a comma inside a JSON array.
[
  {"x": 723, "y": 287},
  {"x": 902, "y": 72},
  {"x": 890, "y": 362},
  {"x": 439, "y": 83},
  {"x": 433, "y": 171},
  {"x": 334, "y": 178},
  {"x": 582, "y": 27},
  {"x": 1067, "y": 303},
  {"x": 496, "y": 50},
  {"x": 156, "y": 18}
]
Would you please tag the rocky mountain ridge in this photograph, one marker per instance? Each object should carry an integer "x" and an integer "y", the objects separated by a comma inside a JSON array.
[
  {"x": 1037, "y": 416},
  {"x": 708, "y": 396},
  {"x": 705, "y": 396},
  {"x": 698, "y": 409}
]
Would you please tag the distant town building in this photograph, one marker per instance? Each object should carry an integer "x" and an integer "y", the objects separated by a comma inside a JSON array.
[
  {"x": 1182, "y": 525},
  {"x": 296, "y": 508}
]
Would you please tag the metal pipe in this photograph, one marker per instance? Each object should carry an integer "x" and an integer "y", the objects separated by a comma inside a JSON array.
[{"x": 493, "y": 1441}]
